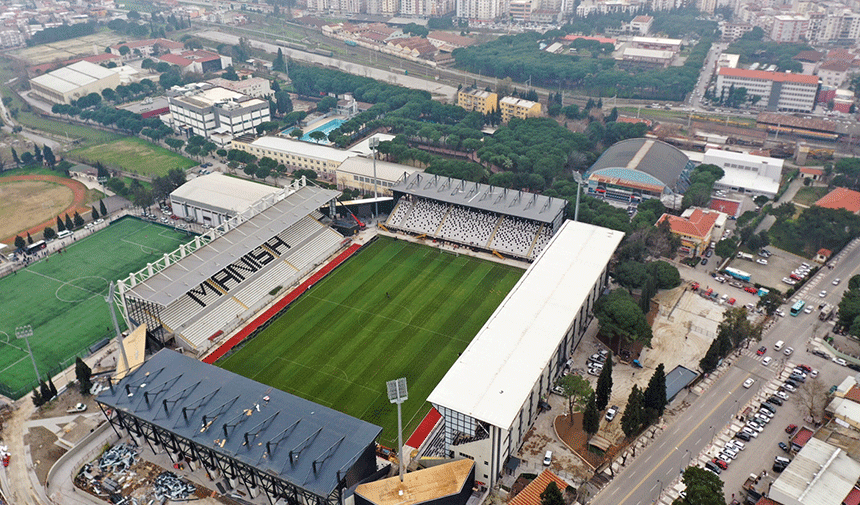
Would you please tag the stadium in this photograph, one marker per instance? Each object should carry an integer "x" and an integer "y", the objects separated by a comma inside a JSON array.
[{"x": 279, "y": 299}]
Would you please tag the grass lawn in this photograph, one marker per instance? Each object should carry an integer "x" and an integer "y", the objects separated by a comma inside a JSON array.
[
  {"x": 62, "y": 298},
  {"x": 397, "y": 309},
  {"x": 134, "y": 155},
  {"x": 808, "y": 195}
]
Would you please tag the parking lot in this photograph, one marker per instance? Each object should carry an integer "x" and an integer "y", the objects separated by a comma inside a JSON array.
[{"x": 780, "y": 264}]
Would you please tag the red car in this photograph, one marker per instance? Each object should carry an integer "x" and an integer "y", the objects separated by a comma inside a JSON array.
[
  {"x": 790, "y": 428},
  {"x": 805, "y": 368},
  {"x": 720, "y": 463},
  {"x": 751, "y": 290},
  {"x": 761, "y": 350}
]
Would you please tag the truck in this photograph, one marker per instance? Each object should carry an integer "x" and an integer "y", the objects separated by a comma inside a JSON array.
[
  {"x": 826, "y": 312},
  {"x": 738, "y": 274},
  {"x": 745, "y": 256}
]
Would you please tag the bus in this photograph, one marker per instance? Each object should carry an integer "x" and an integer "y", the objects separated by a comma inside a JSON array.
[
  {"x": 797, "y": 308},
  {"x": 36, "y": 246}
]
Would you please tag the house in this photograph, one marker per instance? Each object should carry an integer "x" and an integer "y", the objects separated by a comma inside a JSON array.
[
  {"x": 198, "y": 61},
  {"x": 530, "y": 495},
  {"x": 811, "y": 173},
  {"x": 841, "y": 198},
  {"x": 822, "y": 255},
  {"x": 695, "y": 227}
]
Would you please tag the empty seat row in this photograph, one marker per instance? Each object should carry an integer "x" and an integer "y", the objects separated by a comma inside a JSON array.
[
  {"x": 515, "y": 236},
  {"x": 426, "y": 216},
  {"x": 399, "y": 213},
  {"x": 468, "y": 226}
]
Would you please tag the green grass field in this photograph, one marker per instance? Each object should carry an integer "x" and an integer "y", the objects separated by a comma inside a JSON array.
[
  {"x": 341, "y": 341},
  {"x": 134, "y": 155},
  {"x": 63, "y": 298}
]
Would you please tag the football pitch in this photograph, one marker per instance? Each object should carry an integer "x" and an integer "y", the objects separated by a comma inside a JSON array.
[
  {"x": 396, "y": 309},
  {"x": 63, "y": 298}
]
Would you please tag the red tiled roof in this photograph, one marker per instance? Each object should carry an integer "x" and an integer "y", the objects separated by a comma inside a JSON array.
[
  {"x": 634, "y": 120},
  {"x": 99, "y": 58},
  {"x": 824, "y": 252},
  {"x": 530, "y": 495},
  {"x": 697, "y": 225},
  {"x": 811, "y": 171},
  {"x": 853, "y": 497},
  {"x": 727, "y": 206},
  {"x": 175, "y": 59},
  {"x": 840, "y": 198},
  {"x": 602, "y": 40},
  {"x": 802, "y": 436},
  {"x": 642, "y": 19},
  {"x": 764, "y": 500},
  {"x": 769, "y": 76},
  {"x": 836, "y": 66},
  {"x": 853, "y": 394},
  {"x": 810, "y": 56}
]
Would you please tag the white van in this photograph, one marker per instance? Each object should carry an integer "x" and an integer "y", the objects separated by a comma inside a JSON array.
[
  {"x": 778, "y": 345},
  {"x": 64, "y": 234}
]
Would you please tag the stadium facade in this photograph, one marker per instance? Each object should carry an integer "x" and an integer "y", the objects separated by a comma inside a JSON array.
[
  {"x": 635, "y": 169},
  {"x": 214, "y": 198},
  {"x": 489, "y": 398},
  {"x": 245, "y": 435}
]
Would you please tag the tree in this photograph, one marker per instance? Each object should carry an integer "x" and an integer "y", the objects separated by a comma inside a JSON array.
[
  {"x": 29, "y": 238},
  {"x": 812, "y": 396},
  {"x": 654, "y": 397},
  {"x": 52, "y": 387},
  {"x": 620, "y": 316},
  {"x": 279, "y": 65},
  {"x": 124, "y": 50},
  {"x": 317, "y": 136},
  {"x": 48, "y": 233},
  {"x": 230, "y": 74},
  {"x": 95, "y": 213},
  {"x": 48, "y": 155},
  {"x": 20, "y": 243},
  {"x": 712, "y": 357},
  {"x": 577, "y": 390},
  {"x": 45, "y": 391},
  {"x": 703, "y": 488},
  {"x": 604, "y": 384},
  {"x": 83, "y": 373},
  {"x": 631, "y": 274},
  {"x": 631, "y": 420},
  {"x": 61, "y": 226},
  {"x": 770, "y": 302},
  {"x": 15, "y": 158},
  {"x": 79, "y": 221},
  {"x": 665, "y": 273},
  {"x": 102, "y": 208},
  {"x": 591, "y": 417},
  {"x": 326, "y": 104},
  {"x": 37, "y": 398},
  {"x": 297, "y": 133},
  {"x": 551, "y": 495},
  {"x": 69, "y": 224}
]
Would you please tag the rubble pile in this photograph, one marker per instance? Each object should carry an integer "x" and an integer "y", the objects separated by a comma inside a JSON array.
[
  {"x": 168, "y": 485},
  {"x": 118, "y": 459}
]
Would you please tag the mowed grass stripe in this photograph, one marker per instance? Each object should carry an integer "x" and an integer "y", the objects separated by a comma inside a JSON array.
[{"x": 396, "y": 309}]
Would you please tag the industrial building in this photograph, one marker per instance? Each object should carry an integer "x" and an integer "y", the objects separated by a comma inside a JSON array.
[
  {"x": 216, "y": 113},
  {"x": 489, "y": 398},
  {"x": 779, "y": 91},
  {"x": 74, "y": 81},
  {"x": 746, "y": 173},
  {"x": 295, "y": 153},
  {"x": 214, "y": 198},
  {"x": 357, "y": 173}
]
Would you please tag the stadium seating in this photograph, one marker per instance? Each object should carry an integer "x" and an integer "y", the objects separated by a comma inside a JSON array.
[
  {"x": 400, "y": 211},
  {"x": 186, "y": 308},
  {"x": 515, "y": 236},
  {"x": 542, "y": 240},
  {"x": 468, "y": 226},
  {"x": 426, "y": 216}
]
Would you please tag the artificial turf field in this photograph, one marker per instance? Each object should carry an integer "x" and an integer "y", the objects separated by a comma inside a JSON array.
[
  {"x": 396, "y": 309},
  {"x": 63, "y": 298}
]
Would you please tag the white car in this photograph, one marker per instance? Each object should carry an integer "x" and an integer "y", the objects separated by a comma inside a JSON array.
[
  {"x": 749, "y": 382},
  {"x": 779, "y": 312},
  {"x": 761, "y": 261},
  {"x": 808, "y": 309},
  {"x": 822, "y": 294},
  {"x": 766, "y": 361},
  {"x": 790, "y": 282},
  {"x": 836, "y": 281},
  {"x": 754, "y": 426},
  {"x": 781, "y": 394},
  {"x": 799, "y": 372},
  {"x": 813, "y": 373},
  {"x": 749, "y": 431},
  {"x": 610, "y": 414},
  {"x": 788, "y": 351},
  {"x": 789, "y": 388},
  {"x": 737, "y": 444},
  {"x": 840, "y": 361}
]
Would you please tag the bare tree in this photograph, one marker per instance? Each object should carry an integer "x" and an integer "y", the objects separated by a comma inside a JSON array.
[{"x": 812, "y": 396}]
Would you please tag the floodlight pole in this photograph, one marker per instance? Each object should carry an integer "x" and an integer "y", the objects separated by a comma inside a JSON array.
[
  {"x": 26, "y": 332},
  {"x": 397, "y": 394},
  {"x": 373, "y": 142}
]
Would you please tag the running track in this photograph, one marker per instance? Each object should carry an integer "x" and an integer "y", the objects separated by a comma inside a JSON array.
[{"x": 78, "y": 200}]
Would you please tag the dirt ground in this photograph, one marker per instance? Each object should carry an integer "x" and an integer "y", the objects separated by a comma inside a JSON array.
[
  {"x": 67, "y": 49},
  {"x": 683, "y": 329},
  {"x": 79, "y": 191},
  {"x": 23, "y": 203},
  {"x": 43, "y": 450}
]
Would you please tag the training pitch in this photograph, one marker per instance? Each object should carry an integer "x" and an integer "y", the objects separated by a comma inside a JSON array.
[
  {"x": 396, "y": 309},
  {"x": 63, "y": 298}
]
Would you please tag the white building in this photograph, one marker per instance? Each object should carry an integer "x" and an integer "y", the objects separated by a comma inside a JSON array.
[
  {"x": 489, "y": 398},
  {"x": 789, "y": 28},
  {"x": 746, "y": 173},
  {"x": 216, "y": 113},
  {"x": 296, "y": 154},
  {"x": 74, "y": 81},
  {"x": 358, "y": 173},
  {"x": 214, "y": 198},
  {"x": 779, "y": 91},
  {"x": 482, "y": 10},
  {"x": 256, "y": 87},
  {"x": 819, "y": 474}
]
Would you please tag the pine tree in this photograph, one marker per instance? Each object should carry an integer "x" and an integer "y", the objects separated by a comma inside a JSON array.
[
  {"x": 83, "y": 374},
  {"x": 20, "y": 243},
  {"x": 15, "y": 158},
  {"x": 29, "y": 238},
  {"x": 591, "y": 417},
  {"x": 45, "y": 391},
  {"x": 551, "y": 495},
  {"x": 69, "y": 224},
  {"x": 95, "y": 213},
  {"x": 654, "y": 398},
  {"x": 102, "y": 209},
  {"x": 48, "y": 154},
  {"x": 79, "y": 221},
  {"x": 631, "y": 420},
  {"x": 37, "y": 153},
  {"x": 52, "y": 387},
  {"x": 37, "y": 398},
  {"x": 60, "y": 225},
  {"x": 604, "y": 384}
]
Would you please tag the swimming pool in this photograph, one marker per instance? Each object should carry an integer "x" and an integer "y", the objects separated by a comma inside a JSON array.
[{"x": 327, "y": 128}]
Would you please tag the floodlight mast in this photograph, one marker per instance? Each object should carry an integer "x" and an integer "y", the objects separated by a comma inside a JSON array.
[{"x": 397, "y": 394}]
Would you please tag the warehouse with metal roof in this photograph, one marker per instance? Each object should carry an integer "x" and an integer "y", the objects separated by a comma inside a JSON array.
[
  {"x": 74, "y": 81},
  {"x": 214, "y": 198},
  {"x": 639, "y": 168},
  {"x": 245, "y": 435},
  {"x": 489, "y": 398}
]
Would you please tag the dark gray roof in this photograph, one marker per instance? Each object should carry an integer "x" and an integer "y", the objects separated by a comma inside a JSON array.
[
  {"x": 224, "y": 410},
  {"x": 678, "y": 379},
  {"x": 174, "y": 281},
  {"x": 653, "y": 157},
  {"x": 509, "y": 202}
]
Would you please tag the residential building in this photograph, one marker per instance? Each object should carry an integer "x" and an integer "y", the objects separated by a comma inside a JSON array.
[
  {"x": 833, "y": 23},
  {"x": 480, "y": 10},
  {"x": 295, "y": 153},
  {"x": 11, "y": 38},
  {"x": 641, "y": 24},
  {"x": 217, "y": 113},
  {"x": 198, "y": 61},
  {"x": 779, "y": 91},
  {"x": 789, "y": 28},
  {"x": 256, "y": 87},
  {"x": 746, "y": 173},
  {"x": 517, "y": 107},
  {"x": 695, "y": 228},
  {"x": 472, "y": 99},
  {"x": 733, "y": 31},
  {"x": 521, "y": 10},
  {"x": 834, "y": 73},
  {"x": 74, "y": 81}
]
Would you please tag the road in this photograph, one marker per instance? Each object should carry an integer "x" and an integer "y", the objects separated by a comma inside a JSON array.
[{"x": 694, "y": 430}]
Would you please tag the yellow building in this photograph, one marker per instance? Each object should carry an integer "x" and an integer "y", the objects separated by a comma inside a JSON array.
[
  {"x": 472, "y": 99},
  {"x": 517, "y": 107}
]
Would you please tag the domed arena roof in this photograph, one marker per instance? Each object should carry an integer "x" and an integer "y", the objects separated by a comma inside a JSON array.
[{"x": 647, "y": 162}]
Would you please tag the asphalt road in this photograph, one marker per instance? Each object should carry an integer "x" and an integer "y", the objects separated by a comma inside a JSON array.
[{"x": 680, "y": 444}]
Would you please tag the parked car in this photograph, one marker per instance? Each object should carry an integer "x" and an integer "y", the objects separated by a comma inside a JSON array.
[
  {"x": 783, "y": 446},
  {"x": 704, "y": 261},
  {"x": 761, "y": 350},
  {"x": 836, "y": 281},
  {"x": 610, "y": 414},
  {"x": 742, "y": 435},
  {"x": 791, "y": 428},
  {"x": 769, "y": 407},
  {"x": 720, "y": 463},
  {"x": 813, "y": 374},
  {"x": 761, "y": 261},
  {"x": 791, "y": 387},
  {"x": 840, "y": 361},
  {"x": 774, "y": 401},
  {"x": 736, "y": 444},
  {"x": 710, "y": 465},
  {"x": 822, "y": 294},
  {"x": 781, "y": 394},
  {"x": 788, "y": 351},
  {"x": 805, "y": 368}
]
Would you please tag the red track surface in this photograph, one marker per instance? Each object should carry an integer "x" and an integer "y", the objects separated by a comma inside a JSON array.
[
  {"x": 283, "y": 302},
  {"x": 424, "y": 429},
  {"x": 78, "y": 200}
]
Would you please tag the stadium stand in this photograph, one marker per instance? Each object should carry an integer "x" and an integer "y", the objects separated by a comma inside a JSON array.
[
  {"x": 241, "y": 270},
  {"x": 509, "y": 222}
]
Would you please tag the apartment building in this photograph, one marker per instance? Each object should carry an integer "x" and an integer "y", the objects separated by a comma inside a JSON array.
[
  {"x": 216, "y": 113},
  {"x": 472, "y": 99},
  {"x": 789, "y": 28},
  {"x": 779, "y": 91},
  {"x": 517, "y": 107}
]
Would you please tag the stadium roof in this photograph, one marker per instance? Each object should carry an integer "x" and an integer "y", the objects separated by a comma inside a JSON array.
[
  {"x": 174, "y": 281},
  {"x": 309, "y": 149},
  {"x": 819, "y": 474},
  {"x": 658, "y": 159},
  {"x": 482, "y": 196},
  {"x": 220, "y": 410},
  {"x": 496, "y": 373},
  {"x": 220, "y": 191},
  {"x": 422, "y": 486}
]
